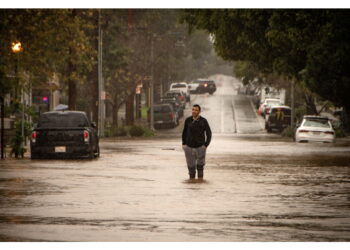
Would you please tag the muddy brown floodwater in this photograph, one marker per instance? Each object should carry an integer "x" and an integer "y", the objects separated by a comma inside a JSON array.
[{"x": 256, "y": 188}]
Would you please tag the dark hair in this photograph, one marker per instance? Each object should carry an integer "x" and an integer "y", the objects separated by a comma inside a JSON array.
[{"x": 197, "y": 106}]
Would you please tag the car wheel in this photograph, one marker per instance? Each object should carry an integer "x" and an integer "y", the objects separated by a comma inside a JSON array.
[
  {"x": 97, "y": 153},
  {"x": 211, "y": 92},
  {"x": 34, "y": 156},
  {"x": 269, "y": 129},
  {"x": 91, "y": 154}
]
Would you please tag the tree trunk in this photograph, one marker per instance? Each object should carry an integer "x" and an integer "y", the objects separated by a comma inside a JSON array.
[
  {"x": 310, "y": 105},
  {"x": 130, "y": 110},
  {"x": 2, "y": 114},
  {"x": 94, "y": 73},
  {"x": 72, "y": 94},
  {"x": 115, "y": 111},
  {"x": 115, "y": 116},
  {"x": 346, "y": 119},
  {"x": 72, "y": 87}
]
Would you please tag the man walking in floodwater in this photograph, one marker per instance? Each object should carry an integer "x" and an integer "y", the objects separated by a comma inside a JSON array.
[{"x": 196, "y": 137}]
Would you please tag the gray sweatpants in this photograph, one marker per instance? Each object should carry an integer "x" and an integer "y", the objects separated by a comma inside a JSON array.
[{"x": 195, "y": 157}]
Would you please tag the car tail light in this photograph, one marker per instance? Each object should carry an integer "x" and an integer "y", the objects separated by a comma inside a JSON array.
[
  {"x": 329, "y": 132},
  {"x": 182, "y": 98},
  {"x": 303, "y": 131},
  {"x": 171, "y": 115},
  {"x": 86, "y": 136},
  {"x": 34, "y": 137}
]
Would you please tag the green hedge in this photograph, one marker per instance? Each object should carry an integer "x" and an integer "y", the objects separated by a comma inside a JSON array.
[
  {"x": 136, "y": 131},
  {"x": 288, "y": 132}
]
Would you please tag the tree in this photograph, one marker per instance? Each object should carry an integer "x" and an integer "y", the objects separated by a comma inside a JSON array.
[{"x": 309, "y": 46}]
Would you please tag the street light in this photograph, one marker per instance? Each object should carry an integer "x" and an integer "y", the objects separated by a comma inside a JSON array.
[{"x": 17, "y": 48}]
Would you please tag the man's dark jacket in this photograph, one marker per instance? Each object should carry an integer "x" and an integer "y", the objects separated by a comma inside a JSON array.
[{"x": 194, "y": 132}]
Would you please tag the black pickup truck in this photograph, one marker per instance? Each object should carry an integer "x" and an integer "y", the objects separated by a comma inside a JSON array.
[{"x": 64, "y": 134}]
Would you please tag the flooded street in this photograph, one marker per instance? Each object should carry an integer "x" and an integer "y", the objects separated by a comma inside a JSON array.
[{"x": 256, "y": 187}]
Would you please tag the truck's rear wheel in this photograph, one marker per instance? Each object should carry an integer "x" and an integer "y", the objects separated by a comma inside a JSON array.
[
  {"x": 97, "y": 153},
  {"x": 34, "y": 156}
]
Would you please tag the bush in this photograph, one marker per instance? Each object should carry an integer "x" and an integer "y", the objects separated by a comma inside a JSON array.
[
  {"x": 339, "y": 132},
  {"x": 148, "y": 132},
  {"x": 108, "y": 132},
  {"x": 288, "y": 132},
  {"x": 120, "y": 131},
  {"x": 136, "y": 131},
  {"x": 18, "y": 140}
]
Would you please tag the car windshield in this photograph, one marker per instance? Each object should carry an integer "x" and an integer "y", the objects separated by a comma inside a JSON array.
[
  {"x": 179, "y": 86},
  {"x": 271, "y": 103},
  {"x": 203, "y": 81},
  {"x": 281, "y": 110},
  {"x": 173, "y": 94},
  {"x": 321, "y": 123},
  {"x": 161, "y": 109},
  {"x": 63, "y": 120}
]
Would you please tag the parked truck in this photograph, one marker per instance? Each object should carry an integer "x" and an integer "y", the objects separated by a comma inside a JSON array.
[{"x": 64, "y": 134}]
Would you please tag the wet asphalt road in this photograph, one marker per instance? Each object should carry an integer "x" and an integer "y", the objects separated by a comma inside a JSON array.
[{"x": 257, "y": 187}]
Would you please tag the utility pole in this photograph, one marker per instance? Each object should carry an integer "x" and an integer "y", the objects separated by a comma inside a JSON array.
[
  {"x": 100, "y": 80},
  {"x": 292, "y": 103},
  {"x": 152, "y": 84}
]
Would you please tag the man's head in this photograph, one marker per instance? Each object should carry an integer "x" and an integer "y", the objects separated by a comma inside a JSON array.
[{"x": 196, "y": 110}]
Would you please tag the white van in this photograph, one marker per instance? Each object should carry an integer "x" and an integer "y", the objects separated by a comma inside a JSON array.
[{"x": 183, "y": 87}]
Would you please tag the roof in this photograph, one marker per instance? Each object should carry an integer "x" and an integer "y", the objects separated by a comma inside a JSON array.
[
  {"x": 65, "y": 112},
  {"x": 203, "y": 80},
  {"x": 179, "y": 84},
  {"x": 162, "y": 104},
  {"x": 316, "y": 117},
  {"x": 272, "y": 99},
  {"x": 174, "y": 91},
  {"x": 280, "y": 106}
]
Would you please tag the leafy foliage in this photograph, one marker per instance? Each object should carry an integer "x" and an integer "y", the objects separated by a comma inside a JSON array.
[{"x": 310, "y": 46}]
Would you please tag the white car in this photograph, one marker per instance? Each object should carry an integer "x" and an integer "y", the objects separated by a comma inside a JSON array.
[
  {"x": 183, "y": 87},
  {"x": 267, "y": 104},
  {"x": 315, "y": 128},
  {"x": 193, "y": 86}
]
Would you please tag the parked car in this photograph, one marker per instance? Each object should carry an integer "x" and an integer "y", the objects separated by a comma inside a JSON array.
[
  {"x": 177, "y": 106},
  {"x": 64, "y": 134},
  {"x": 315, "y": 128},
  {"x": 267, "y": 104},
  {"x": 256, "y": 97},
  {"x": 183, "y": 87},
  {"x": 279, "y": 117},
  {"x": 164, "y": 115},
  {"x": 202, "y": 86},
  {"x": 179, "y": 95}
]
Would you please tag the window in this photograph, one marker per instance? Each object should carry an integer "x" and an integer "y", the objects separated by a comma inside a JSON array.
[
  {"x": 64, "y": 120},
  {"x": 320, "y": 123}
]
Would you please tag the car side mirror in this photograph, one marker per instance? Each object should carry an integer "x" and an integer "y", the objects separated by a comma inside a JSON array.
[{"x": 93, "y": 124}]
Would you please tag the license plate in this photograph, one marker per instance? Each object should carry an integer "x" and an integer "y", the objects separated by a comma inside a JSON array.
[
  {"x": 60, "y": 149},
  {"x": 316, "y": 133}
]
